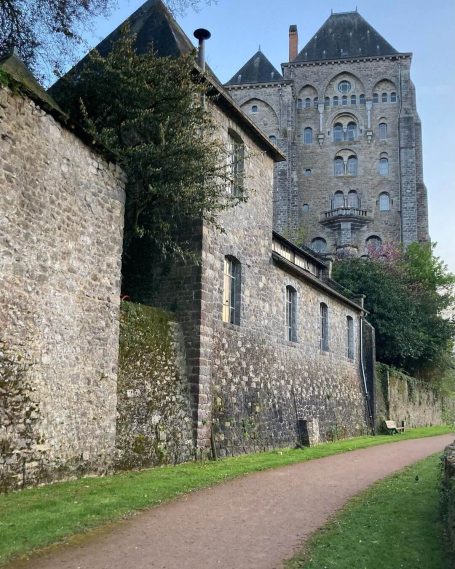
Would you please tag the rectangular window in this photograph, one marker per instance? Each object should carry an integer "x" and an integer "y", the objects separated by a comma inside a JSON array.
[
  {"x": 236, "y": 162},
  {"x": 324, "y": 327},
  {"x": 231, "y": 291},
  {"x": 350, "y": 337},
  {"x": 291, "y": 314}
]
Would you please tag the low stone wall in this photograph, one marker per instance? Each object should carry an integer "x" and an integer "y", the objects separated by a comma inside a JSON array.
[
  {"x": 153, "y": 401},
  {"x": 400, "y": 397},
  {"x": 269, "y": 394},
  {"x": 449, "y": 495}
]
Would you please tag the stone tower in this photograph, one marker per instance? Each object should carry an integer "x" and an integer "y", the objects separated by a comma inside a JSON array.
[{"x": 343, "y": 111}]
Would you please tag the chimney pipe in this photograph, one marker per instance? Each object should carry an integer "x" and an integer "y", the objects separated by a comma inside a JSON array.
[
  {"x": 293, "y": 42},
  {"x": 201, "y": 34}
]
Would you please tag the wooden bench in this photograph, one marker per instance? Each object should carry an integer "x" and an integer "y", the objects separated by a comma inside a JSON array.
[{"x": 392, "y": 428}]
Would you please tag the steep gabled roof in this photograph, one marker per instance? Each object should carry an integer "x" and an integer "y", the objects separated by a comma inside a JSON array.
[
  {"x": 153, "y": 25},
  {"x": 155, "y": 28},
  {"x": 343, "y": 35},
  {"x": 258, "y": 69}
]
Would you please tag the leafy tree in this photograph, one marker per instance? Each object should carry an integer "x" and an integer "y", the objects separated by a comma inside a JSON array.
[
  {"x": 149, "y": 111},
  {"x": 407, "y": 293},
  {"x": 48, "y": 33}
]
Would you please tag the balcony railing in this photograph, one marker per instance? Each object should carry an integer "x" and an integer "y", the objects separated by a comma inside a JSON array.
[{"x": 345, "y": 212}]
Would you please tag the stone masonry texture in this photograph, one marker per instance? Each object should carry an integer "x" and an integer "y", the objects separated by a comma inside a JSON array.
[
  {"x": 305, "y": 186},
  {"x": 61, "y": 229},
  {"x": 154, "y": 420}
]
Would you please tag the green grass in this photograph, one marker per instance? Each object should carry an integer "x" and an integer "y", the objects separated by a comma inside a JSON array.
[
  {"x": 394, "y": 524},
  {"x": 38, "y": 517}
]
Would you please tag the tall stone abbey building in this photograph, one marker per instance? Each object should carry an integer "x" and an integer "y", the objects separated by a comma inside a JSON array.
[{"x": 343, "y": 111}]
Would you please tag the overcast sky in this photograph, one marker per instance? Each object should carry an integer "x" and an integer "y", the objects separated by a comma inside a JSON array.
[{"x": 238, "y": 27}]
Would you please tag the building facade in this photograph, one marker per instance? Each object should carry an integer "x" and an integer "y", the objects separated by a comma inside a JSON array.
[{"x": 343, "y": 111}]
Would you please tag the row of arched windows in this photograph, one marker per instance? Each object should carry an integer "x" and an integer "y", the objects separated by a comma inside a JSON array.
[
  {"x": 345, "y": 100},
  {"x": 344, "y": 133},
  {"x": 352, "y": 200},
  {"x": 319, "y": 244},
  {"x": 342, "y": 167},
  {"x": 232, "y": 305},
  {"x": 291, "y": 324},
  {"x": 385, "y": 97},
  {"x": 349, "y": 166}
]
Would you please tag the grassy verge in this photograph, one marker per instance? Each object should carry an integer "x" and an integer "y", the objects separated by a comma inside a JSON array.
[
  {"x": 37, "y": 517},
  {"x": 395, "y": 523}
]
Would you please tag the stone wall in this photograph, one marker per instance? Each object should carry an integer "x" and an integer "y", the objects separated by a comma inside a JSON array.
[
  {"x": 61, "y": 229},
  {"x": 154, "y": 423},
  {"x": 449, "y": 497},
  {"x": 400, "y": 397},
  {"x": 261, "y": 387}
]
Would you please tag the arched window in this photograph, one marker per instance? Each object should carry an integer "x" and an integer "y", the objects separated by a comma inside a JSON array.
[
  {"x": 307, "y": 103},
  {"x": 300, "y": 103},
  {"x": 307, "y": 172},
  {"x": 351, "y": 132},
  {"x": 362, "y": 100},
  {"x": 308, "y": 135},
  {"x": 373, "y": 243},
  {"x": 315, "y": 102},
  {"x": 291, "y": 314},
  {"x": 335, "y": 101},
  {"x": 375, "y": 98},
  {"x": 338, "y": 134},
  {"x": 353, "y": 199},
  {"x": 384, "y": 166},
  {"x": 353, "y": 100},
  {"x": 382, "y": 130},
  {"x": 236, "y": 162},
  {"x": 350, "y": 337},
  {"x": 305, "y": 208},
  {"x": 272, "y": 139},
  {"x": 384, "y": 97},
  {"x": 338, "y": 200},
  {"x": 393, "y": 97},
  {"x": 319, "y": 245},
  {"x": 344, "y": 100},
  {"x": 324, "y": 314},
  {"x": 327, "y": 102},
  {"x": 231, "y": 290},
  {"x": 384, "y": 202},
  {"x": 338, "y": 166},
  {"x": 352, "y": 166},
  {"x": 254, "y": 108}
]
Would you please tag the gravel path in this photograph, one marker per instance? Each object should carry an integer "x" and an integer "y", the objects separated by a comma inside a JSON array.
[{"x": 253, "y": 522}]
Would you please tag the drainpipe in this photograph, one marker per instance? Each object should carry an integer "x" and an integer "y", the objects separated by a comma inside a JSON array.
[{"x": 362, "y": 370}]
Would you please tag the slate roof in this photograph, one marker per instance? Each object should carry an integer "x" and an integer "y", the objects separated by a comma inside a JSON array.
[
  {"x": 345, "y": 34},
  {"x": 154, "y": 26},
  {"x": 258, "y": 69}
]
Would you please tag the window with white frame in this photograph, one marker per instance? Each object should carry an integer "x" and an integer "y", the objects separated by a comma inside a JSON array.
[
  {"x": 236, "y": 163},
  {"x": 231, "y": 290}
]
